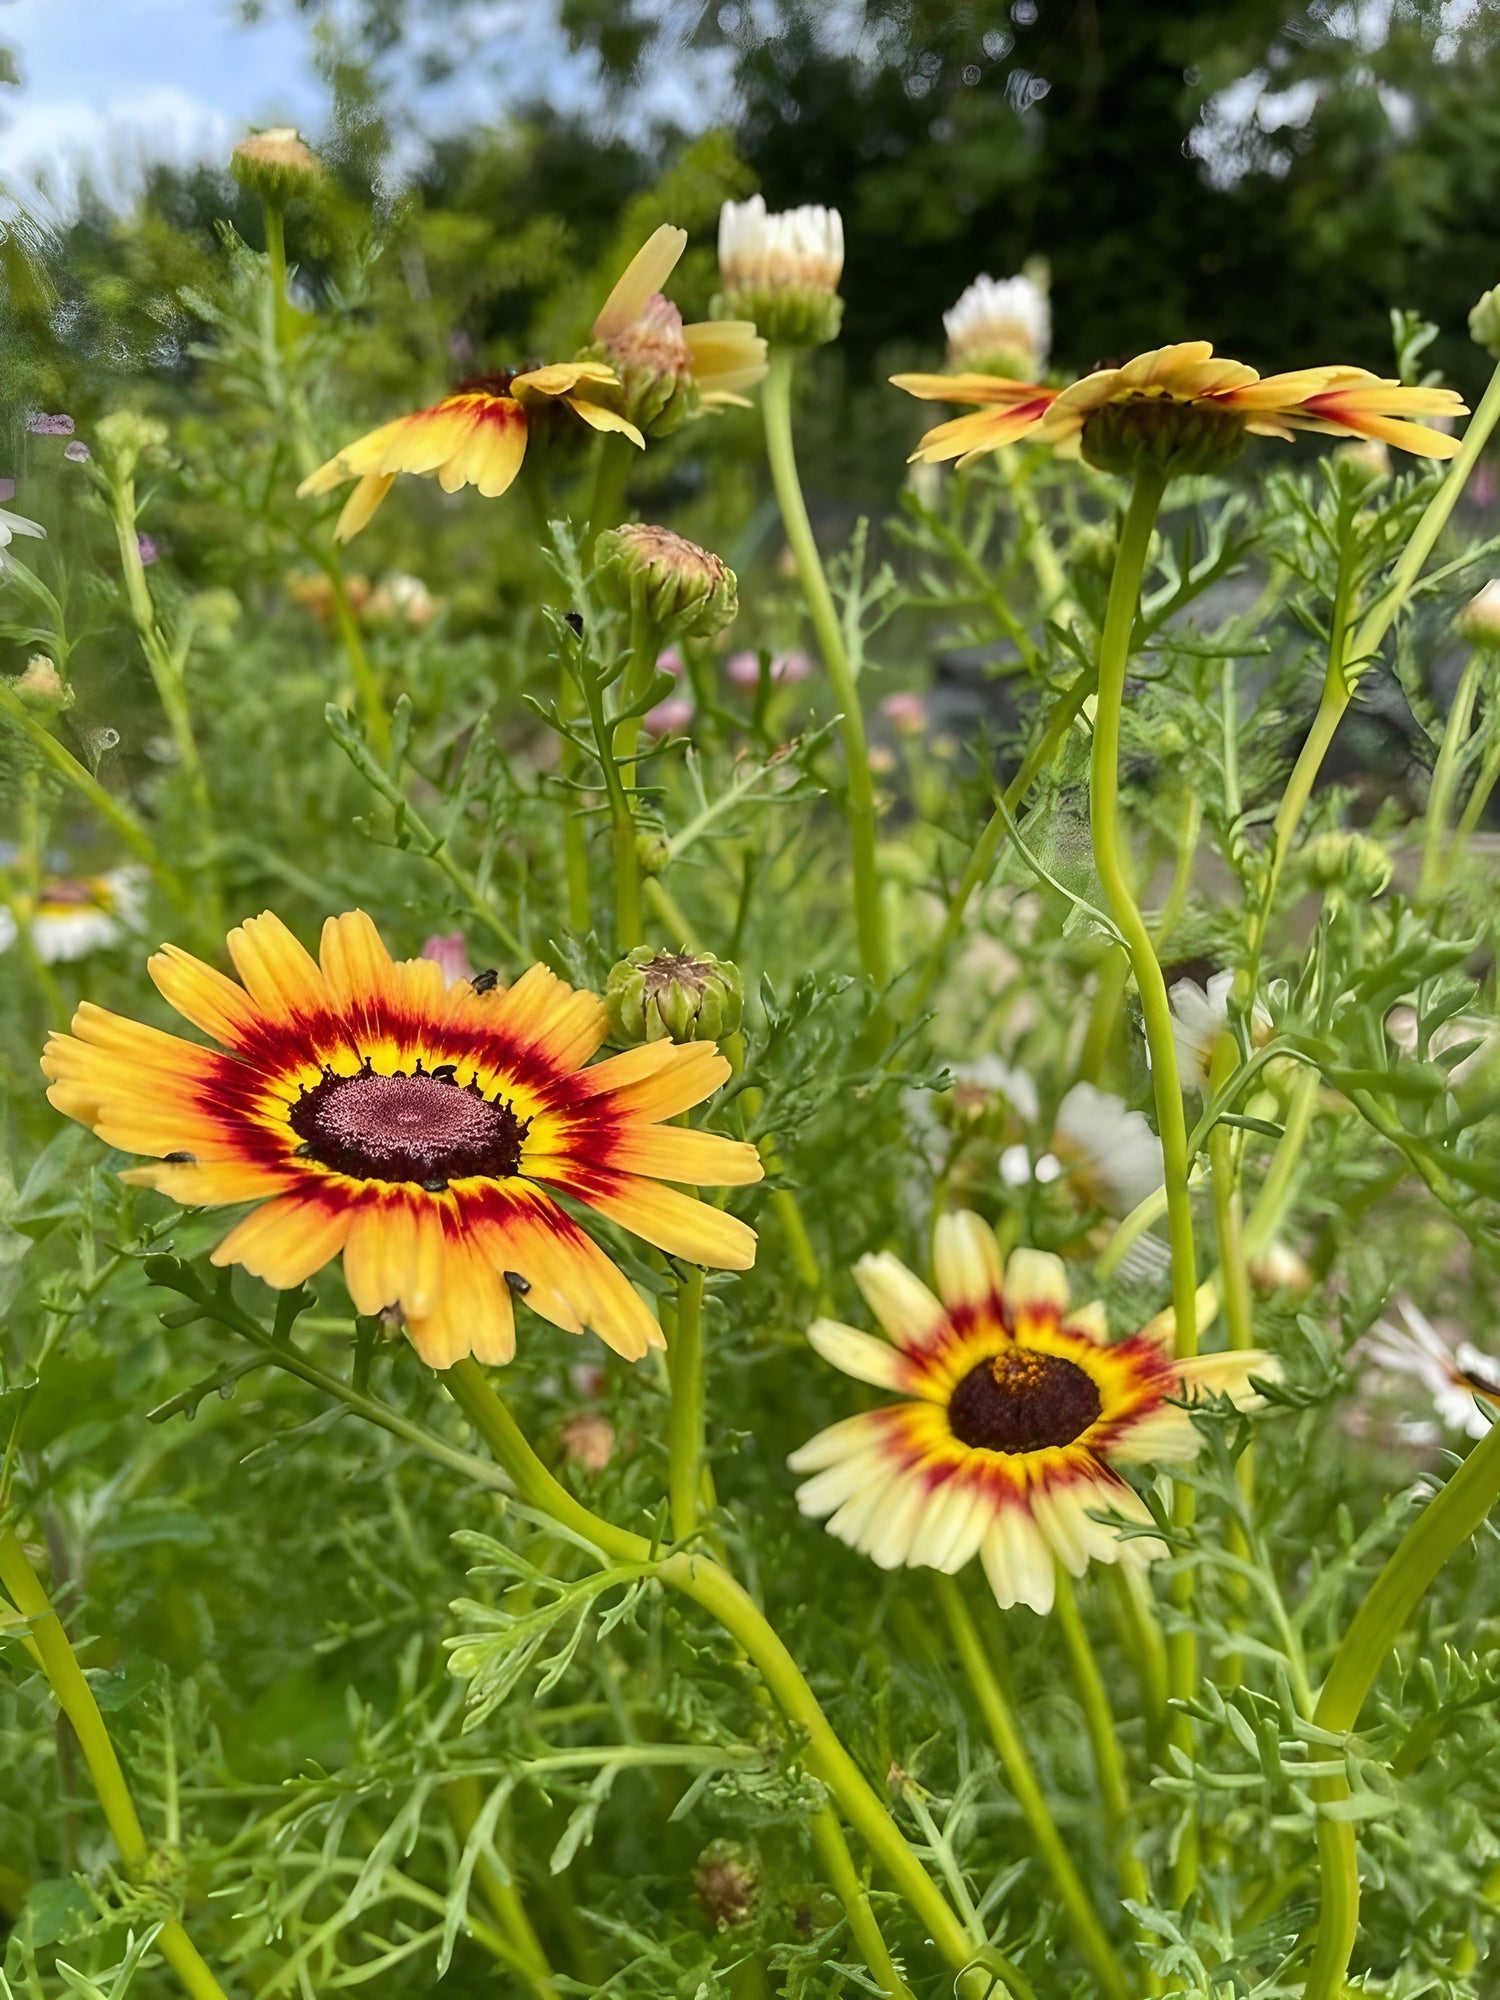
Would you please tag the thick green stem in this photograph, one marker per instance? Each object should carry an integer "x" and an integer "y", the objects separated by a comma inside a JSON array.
[
  {"x": 981, "y": 861},
  {"x": 1345, "y": 666},
  {"x": 1156, "y": 1011},
  {"x": 685, "y": 1421},
  {"x": 1010, "y": 1747},
  {"x": 869, "y": 916},
  {"x": 1445, "y": 778},
  {"x": 709, "y": 1585},
  {"x": 1442, "y": 1527},
  {"x": 75, "y": 1697},
  {"x": 465, "y": 1802},
  {"x": 1114, "y": 1792},
  {"x": 843, "y": 1878}
]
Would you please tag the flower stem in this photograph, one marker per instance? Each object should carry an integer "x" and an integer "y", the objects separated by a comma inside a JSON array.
[
  {"x": 1156, "y": 1011},
  {"x": 1114, "y": 1793},
  {"x": 503, "y": 1897},
  {"x": 1338, "y": 690},
  {"x": 864, "y": 1928},
  {"x": 75, "y": 1697},
  {"x": 1445, "y": 778},
  {"x": 711, "y": 1586},
  {"x": 685, "y": 1421},
  {"x": 1010, "y": 1747},
  {"x": 869, "y": 916},
  {"x": 1442, "y": 1527}
]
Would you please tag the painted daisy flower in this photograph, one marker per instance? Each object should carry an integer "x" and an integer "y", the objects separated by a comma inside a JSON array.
[
  {"x": 74, "y": 918},
  {"x": 423, "y": 1129},
  {"x": 1000, "y": 326},
  {"x": 1453, "y": 1377},
  {"x": 669, "y": 371},
  {"x": 475, "y": 436},
  {"x": 1024, "y": 1412},
  {"x": 1183, "y": 405}
]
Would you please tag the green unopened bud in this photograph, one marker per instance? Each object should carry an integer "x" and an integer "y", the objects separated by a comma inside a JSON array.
[
  {"x": 1479, "y": 621},
  {"x": 686, "y": 592},
  {"x": 781, "y": 271},
  {"x": 124, "y": 437},
  {"x": 1348, "y": 864},
  {"x": 682, "y": 996},
  {"x": 1176, "y": 439},
  {"x": 276, "y": 165},
  {"x": 652, "y": 852},
  {"x": 1484, "y": 322}
]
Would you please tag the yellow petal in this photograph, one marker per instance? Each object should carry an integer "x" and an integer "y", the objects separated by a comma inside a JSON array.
[
  {"x": 645, "y": 274},
  {"x": 601, "y": 419},
  {"x": 360, "y": 507}
]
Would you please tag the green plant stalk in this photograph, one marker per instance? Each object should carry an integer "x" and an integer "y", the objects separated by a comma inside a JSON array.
[
  {"x": 709, "y": 1585},
  {"x": 1443, "y": 1526},
  {"x": 869, "y": 914},
  {"x": 75, "y": 1697},
  {"x": 1478, "y": 799},
  {"x": 864, "y": 1928},
  {"x": 1020, "y": 1773},
  {"x": 685, "y": 1419},
  {"x": 83, "y": 781},
  {"x": 1337, "y": 691},
  {"x": 986, "y": 849},
  {"x": 1236, "y": 1302},
  {"x": 680, "y": 932},
  {"x": 275, "y": 226},
  {"x": 503, "y": 1897},
  {"x": 367, "y": 689},
  {"x": 645, "y": 645},
  {"x": 1445, "y": 778},
  {"x": 1109, "y": 1766},
  {"x": 22, "y": 900},
  {"x": 1110, "y": 859}
]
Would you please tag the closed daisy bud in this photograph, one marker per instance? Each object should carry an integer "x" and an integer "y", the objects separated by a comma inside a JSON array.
[
  {"x": 1479, "y": 621},
  {"x": 588, "y": 1441},
  {"x": 42, "y": 687},
  {"x": 652, "y": 852},
  {"x": 1002, "y": 326},
  {"x": 686, "y": 592},
  {"x": 782, "y": 271},
  {"x": 1348, "y": 864},
  {"x": 727, "y": 1883},
  {"x": 276, "y": 165},
  {"x": 678, "y": 995},
  {"x": 1484, "y": 322},
  {"x": 126, "y": 436}
]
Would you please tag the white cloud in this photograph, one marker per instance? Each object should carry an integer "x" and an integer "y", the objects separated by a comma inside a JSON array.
[{"x": 56, "y": 143}]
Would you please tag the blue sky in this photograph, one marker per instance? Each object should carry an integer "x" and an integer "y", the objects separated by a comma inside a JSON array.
[{"x": 108, "y": 83}]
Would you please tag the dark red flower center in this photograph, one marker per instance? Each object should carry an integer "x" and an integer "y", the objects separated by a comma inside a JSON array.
[
  {"x": 423, "y": 1128},
  {"x": 495, "y": 382},
  {"x": 1023, "y": 1401}
]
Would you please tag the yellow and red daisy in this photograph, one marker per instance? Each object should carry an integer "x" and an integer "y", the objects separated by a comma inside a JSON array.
[
  {"x": 475, "y": 436},
  {"x": 423, "y": 1129},
  {"x": 1024, "y": 1411},
  {"x": 1229, "y": 400}
]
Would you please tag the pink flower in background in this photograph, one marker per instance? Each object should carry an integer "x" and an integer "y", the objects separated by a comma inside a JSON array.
[
  {"x": 906, "y": 713},
  {"x": 147, "y": 549},
  {"x": 670, "y": 662},
  {"x": 43, "y": 426},
  {"x": 743, "y": 669},
  {"x": 460, "y": 347},
  {"x": 449, "y": 950},
  {"x": 77, "y": 451},
  {"x": 676, "y": 712},
  {"x": 1482, "y": 485}
]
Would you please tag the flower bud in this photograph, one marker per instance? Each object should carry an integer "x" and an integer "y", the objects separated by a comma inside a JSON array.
[
  {"x": 1368, "y": 458},
  {"x": 687, "y": 996},
  {"x": 686, "y": 592},
  {"x": 1484, "y": 322},
  {"x": 782, "y": 271},
  {"x": 276, "y": 165},
  {"x": 652, "y": 853},
  {"x": 588, "y": 1440},
  {"x": 42, "y": 687},
  {"x": 1348, "y": 864},
  {"x": 727, "y": 1883},
  {"x": 1002, "y": 326},
  {"x": 125, "y": 436},
  {"x": 654, "y": 364},
  {"x": 1479, "y": 621}
]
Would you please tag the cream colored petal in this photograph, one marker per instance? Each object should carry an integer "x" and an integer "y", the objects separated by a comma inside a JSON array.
[
  {"x": 1017, "y": 1561},
  {"x": 966, "y": 1259},
  {"x": 1034, "y": 1281},
  {"x": 894, "y": 1528},
  {"x": 898, "y": 1298},
  {"x": 829, "y": 1489},
  {"x": 952, "y": 1528},
  {"x": 858, "y": 1354},
  {"x": 862, "y": 1518},
  {"x": 1091, "y": 1320},
  {"x": 851, "y": 1435}
]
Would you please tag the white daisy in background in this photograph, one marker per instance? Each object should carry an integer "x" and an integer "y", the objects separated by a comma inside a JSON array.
[
  {"x": 1402, "y": 1027},
  {"x": 782, "y": 271},
  {"x": 1024, "y": 1413},
  {"x": 1108, "y": 1152},
  {"x": 1199, "y": 1016},
  {"x": 75, "y": 917},
  {"x": 12, "y": 525},
  {"x": 1453, "y": 1377},
  {"x": 1001, "y": 326}
]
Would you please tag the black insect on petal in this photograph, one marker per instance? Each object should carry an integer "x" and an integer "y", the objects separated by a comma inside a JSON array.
[
  {"x": 517, "y": 1283},
  {"x": 182, "y": 1159},
  {"x": 486, "y": 981},
  {"x": 574, "y": 623}
]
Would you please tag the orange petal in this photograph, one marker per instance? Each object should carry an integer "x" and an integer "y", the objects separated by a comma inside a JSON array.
[
  {"x": 677, "y": 1153},
  {"x": 279, "y": 973},
  {"x": 693, "y": 1230},
  {"x": 203, "y": 995},
  {"x": 354, "y": 960},
  {"x": 287, "y": 1239}
]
